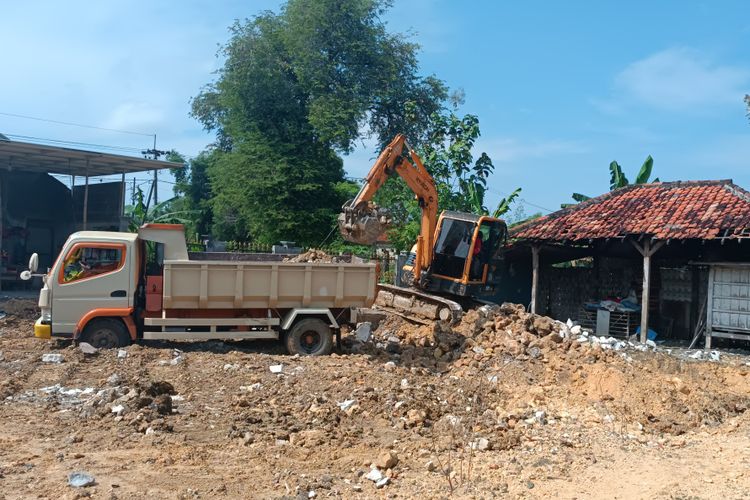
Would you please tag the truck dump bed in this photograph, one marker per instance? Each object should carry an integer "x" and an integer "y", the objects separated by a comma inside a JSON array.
[{"x": 195, "y": 284}]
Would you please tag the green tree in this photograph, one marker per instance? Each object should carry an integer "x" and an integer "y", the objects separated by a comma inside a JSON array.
[
  {"x": 617, "y": 178},
  {"x": 300, "y": 86},
  {"x": 193, "y": 187}
]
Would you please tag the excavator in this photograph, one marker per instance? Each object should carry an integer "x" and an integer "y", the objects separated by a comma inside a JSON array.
[{"x": 453, "y": 263}]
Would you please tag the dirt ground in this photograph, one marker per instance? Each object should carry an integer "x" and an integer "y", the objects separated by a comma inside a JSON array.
[{"x": 499, "y": 406}]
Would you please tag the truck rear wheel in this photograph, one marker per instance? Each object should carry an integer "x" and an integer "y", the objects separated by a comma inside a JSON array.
[
  {"x": 310, "y": 337},
  {"x": 106, "y": 333}
]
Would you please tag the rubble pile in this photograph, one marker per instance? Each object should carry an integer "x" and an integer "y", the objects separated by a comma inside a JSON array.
[{"x": 313, "y": 255}]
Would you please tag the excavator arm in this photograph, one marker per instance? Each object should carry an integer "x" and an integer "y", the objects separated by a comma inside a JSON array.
[{"x": 361, "y": 221}]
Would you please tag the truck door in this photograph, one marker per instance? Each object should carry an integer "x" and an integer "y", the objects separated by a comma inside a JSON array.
[{"x": 92, "y": 275}]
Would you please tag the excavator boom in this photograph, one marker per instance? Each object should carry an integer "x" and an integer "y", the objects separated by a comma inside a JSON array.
[{"x": 361, "y": 221}]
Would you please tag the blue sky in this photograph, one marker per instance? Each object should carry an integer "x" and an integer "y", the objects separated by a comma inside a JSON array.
[{"x": 561, "y": 88}]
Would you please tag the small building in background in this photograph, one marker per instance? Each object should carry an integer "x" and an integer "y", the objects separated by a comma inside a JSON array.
[
  {"x": 38, "y": 211},
  {"x": 670, "y": 259}
]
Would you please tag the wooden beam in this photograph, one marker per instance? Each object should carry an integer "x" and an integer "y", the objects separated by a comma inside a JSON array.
[
  {"x": 647, "y": 251},
  {"x": 645, "y": 294},
  {"x": 534, "y": 277}
]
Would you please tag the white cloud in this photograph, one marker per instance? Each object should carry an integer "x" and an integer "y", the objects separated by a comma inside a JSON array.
[{"x": 681, "y": 79}]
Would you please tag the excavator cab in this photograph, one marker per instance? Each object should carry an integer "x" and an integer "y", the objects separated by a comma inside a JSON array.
[{"x": 465, "y": 254}]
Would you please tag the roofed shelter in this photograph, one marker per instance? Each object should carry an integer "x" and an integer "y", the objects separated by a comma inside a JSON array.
[
  {"x": 690, "y": 223},
  {"x": 38, "y": 211}
]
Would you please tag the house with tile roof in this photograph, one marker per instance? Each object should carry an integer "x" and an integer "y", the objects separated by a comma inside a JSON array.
[{"x": 668, "y": 242}]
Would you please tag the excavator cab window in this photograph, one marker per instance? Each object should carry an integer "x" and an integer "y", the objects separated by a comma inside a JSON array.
[
  {"x": 452, "y": 247},
  {"x": 490, "y": 237}
]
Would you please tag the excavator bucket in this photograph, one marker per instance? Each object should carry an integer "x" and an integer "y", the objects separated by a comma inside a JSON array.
[{"x": 363, "y": 225}]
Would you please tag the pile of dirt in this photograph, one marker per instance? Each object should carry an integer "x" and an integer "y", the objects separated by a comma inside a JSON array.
[
  {"x": 20, "y": 308},
  {"x": 313, "y": 255},
  {"x": 500, "y": 402},
  {"x": 530, "y": 351}
]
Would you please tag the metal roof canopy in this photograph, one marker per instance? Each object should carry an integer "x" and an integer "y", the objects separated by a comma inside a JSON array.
[{"x": 30, "y": 157}]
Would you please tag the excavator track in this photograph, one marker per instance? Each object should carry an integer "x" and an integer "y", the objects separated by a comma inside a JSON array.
[{"x": 417, "y": 306}]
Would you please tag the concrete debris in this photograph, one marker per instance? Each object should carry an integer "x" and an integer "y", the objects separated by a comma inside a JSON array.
[
  {"x": 52, "y": 358},
  {"x": 122, "y": 354},
  {"x": 363, "y": 333},
  {"x": 481, "y": 444},
  {"x": 374, "y": 475},
  {"x": 276, "y": 368},
  {"x": 346, "y": 404},
  {"x": 311, "y": 494},
  {"x": 404, "y": 384},
  {"x": 114, "y": 380},
  {"x": 177, "y": 360},
  {"x": 87, "y": 348},
  {"x": 80, "y": 479},
  {"x": 118, "y": 410},
  {"x": 382, "y": 482}
]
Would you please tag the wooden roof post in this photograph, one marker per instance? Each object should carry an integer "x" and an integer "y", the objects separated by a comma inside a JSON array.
[
  {"x": 647, "y": 250},
  {"x": 534, "y": 277}
]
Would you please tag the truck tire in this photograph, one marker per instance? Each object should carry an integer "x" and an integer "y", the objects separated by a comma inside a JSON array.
[
  {"x": 106, "y": 333},
  {"x": 310, "y": 337}
]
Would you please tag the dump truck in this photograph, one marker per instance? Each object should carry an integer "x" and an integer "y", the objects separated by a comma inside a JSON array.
[{"x": 113, "y": 288}]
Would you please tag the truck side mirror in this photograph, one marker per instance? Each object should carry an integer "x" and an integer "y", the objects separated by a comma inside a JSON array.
[
  {"x": 26, "y": 275},
  {"x": 33, "y": 262}
]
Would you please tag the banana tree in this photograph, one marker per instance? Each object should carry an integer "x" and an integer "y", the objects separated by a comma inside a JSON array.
[{"x": 617, "y": 179}]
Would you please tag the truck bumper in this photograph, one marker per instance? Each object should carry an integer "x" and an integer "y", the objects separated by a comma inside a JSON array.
[{"x": 41, "y": 330}]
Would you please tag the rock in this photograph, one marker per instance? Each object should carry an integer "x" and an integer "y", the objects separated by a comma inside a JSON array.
[
  {"x": 311, "y": 494},
  {"x": 114, "y": 380},
  {"x": 52, "y": 358},
  {"x": 87, "y": 348},
  {"x": 177, "y": 360},
  {"x": 346, "y": 404},
  {"x": 161, "y": 387},
  {"x": 382, "y": 482},
  {"x": 118, "y": 410},
  {"x": 276, "y": 368},
  {"x": 575, "y": 329},
  {"x": 163, "y": 404},
  {"x": 386, "y": 460},
  {"x": 80, "y": 479},
  {"x": 363, "y": 333},
  {"x": 389, "y": 366},
  {"x": 415, "y": 417},
  {"x": 530, "y": 485},
  {"x": 404, "y": 384},
  {"x": 122, "y": 354},
  {"x": 2, "y": 358},
  {"x": 374, "y": 475},
  {"x": 481, "y": 444}
]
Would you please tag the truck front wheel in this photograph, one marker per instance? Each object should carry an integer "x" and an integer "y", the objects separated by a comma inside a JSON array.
[
  {"x": 310, "y": 337},
  {"x": 106, "y": 333}
]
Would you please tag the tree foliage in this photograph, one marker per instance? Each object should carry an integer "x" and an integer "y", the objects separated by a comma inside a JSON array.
[{"x": 297, "y": 87}]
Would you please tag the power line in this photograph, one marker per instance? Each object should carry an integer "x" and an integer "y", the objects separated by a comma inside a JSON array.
[
  {"x": 74, "y": 143},
  {"x": 15, "y": 115}
]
